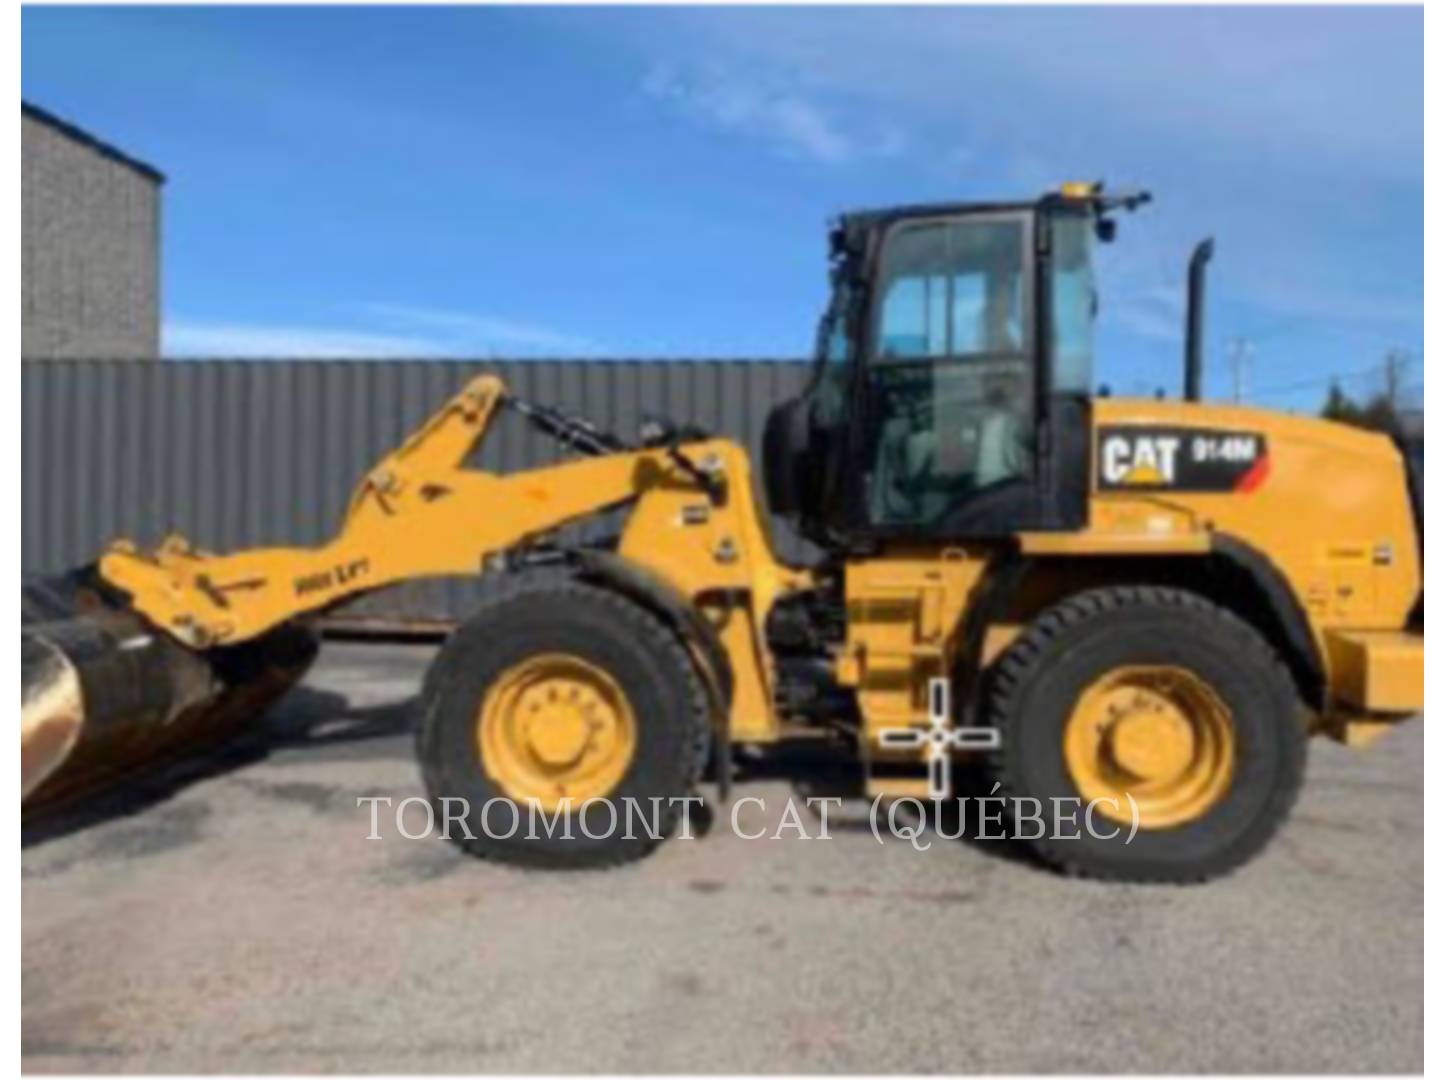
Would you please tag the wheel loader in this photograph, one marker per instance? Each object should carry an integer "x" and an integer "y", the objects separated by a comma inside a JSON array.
[{"x": 1143, "y": 606}]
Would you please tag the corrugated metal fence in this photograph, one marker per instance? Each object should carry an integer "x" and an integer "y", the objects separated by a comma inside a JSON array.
[{"x": 238, "y": 453}]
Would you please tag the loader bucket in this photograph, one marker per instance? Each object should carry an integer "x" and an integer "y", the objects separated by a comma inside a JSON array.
[{"x": 103, "y": 693}]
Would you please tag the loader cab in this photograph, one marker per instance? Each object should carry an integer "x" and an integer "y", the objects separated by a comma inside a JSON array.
[{"x": 950, "y": 396}]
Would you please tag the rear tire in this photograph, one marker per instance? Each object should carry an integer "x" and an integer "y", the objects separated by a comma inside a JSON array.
[
  {"x": 481, "y": 738},
  {"x": 1237, "y": 724}
]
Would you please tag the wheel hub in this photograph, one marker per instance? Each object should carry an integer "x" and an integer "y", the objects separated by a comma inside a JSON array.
[
  {"x": 1153, "y": 742},
  {"x": 558, "y": 737},
  {"x": 556, "y": 729}
]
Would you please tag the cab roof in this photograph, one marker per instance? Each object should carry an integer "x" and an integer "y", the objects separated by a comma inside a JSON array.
[{"x": 854, "y": 225}]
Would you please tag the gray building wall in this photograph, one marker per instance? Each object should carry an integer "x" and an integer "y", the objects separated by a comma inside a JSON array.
[
  {"x": 240, "y": 453},
  {"x": 90, "y": 245}
]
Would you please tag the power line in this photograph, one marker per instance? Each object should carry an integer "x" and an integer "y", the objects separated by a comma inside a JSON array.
[{"x": 1318, "y": 380}]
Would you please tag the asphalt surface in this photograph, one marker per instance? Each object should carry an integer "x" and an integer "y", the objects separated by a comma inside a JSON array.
[{"x": 230, "y": 915}]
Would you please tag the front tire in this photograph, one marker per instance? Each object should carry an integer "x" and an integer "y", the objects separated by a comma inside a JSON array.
[
  {"x": 1152, "y": 704},
  {"x": 559, "y": 697}
]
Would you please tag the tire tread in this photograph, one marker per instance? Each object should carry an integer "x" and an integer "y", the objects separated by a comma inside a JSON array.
[
  {"x": 1022, "y": 661},
  {"x": 628, "y": 618}
]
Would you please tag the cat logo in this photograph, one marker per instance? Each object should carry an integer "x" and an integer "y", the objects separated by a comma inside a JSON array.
[
  {"x": 1138, "y": 460},
  {"x": 1181, "y": 459}
]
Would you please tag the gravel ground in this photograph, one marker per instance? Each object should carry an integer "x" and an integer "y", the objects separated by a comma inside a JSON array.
[{"x": 230, "y": 915}]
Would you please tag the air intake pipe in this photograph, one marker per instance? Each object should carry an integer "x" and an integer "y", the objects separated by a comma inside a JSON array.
[{"x": 1195, "y": 320}]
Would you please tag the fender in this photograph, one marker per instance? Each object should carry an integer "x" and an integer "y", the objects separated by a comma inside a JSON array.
[
  {"x": 659, "y": 596},
  {"x": 996, "y": 593},
  {"x": 1229, "y": 560},
  {"x": 1300, "y": 647}
]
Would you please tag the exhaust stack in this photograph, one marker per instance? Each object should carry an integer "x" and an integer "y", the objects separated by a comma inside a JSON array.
[{"x": 1195, "y": 320}]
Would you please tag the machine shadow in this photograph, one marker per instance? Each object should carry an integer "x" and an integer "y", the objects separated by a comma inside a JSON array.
[
  {"x": 828, "y": 768},
  {"x": 305, "y": 718},
  {"x": 312, "y": 719}
]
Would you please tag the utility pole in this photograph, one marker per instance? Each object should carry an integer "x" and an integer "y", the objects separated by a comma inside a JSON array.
[
  {"x": 1240, "y": 349},
  {"x": 1396, "y": 361}
]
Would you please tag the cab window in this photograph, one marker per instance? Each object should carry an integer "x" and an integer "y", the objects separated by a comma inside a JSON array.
[
  {"x": 1073, "y": 303},
  {"x": 952, "y": 290},
  {"x": 834, "y": 354},
  {"x": 950, "y": 378}
]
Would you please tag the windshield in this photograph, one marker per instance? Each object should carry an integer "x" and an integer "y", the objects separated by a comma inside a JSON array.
[
  {"x": 831, "y": 340},
  {"x": 833, "y": 350}
]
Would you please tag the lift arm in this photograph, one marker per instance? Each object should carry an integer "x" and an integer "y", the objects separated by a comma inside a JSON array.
[{"x": 418, "y": 513}]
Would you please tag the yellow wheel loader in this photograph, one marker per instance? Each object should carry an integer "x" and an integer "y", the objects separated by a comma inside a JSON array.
[{"x": 1141, "y": 607}]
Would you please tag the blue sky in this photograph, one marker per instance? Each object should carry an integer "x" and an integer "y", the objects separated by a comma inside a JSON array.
[{"x": 656, "y": 182}]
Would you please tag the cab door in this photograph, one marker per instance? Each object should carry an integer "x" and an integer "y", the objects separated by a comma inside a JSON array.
[{"x": 967, "y": 428}]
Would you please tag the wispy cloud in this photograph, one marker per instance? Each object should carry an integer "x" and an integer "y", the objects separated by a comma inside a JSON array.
[
  {"x": 387, "y": 331},
  {"x": 1338, "y": 303},
  {"x": 1294, "y": 135},
  {"x": 486, "y": 333},
  {"x": 185, "y": 337},
  {"x": 1274, "y": 82},
  {"x": 1157, "y": 312},
  {"x": 794, "y": 122}
]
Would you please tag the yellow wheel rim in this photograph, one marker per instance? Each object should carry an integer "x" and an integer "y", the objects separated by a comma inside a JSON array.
[
  {"x": 557, "y": 730},
  {"x": 1156, "y": 742}
]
